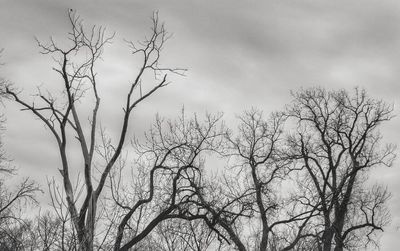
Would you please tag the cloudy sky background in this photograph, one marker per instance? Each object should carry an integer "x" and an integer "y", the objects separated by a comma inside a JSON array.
[{"x": 239, "y": 54}]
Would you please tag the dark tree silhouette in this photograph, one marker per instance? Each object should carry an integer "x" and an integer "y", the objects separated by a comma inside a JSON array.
[
  {"x": 247, "y": 205},
  {"x": 61, "y": 114},
  {"x": 171, "y": 159},
  {"x": 336, "y": 144}
]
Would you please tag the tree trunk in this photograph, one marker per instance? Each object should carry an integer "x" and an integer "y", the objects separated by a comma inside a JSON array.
[
  {"x": 327, "y": 240},
  {"x": 339, "y": 245},
  {"x": 90, "y": 221}
]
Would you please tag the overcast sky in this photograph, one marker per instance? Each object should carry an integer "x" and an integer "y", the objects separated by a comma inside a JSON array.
[{"x": 239, "y": 54}]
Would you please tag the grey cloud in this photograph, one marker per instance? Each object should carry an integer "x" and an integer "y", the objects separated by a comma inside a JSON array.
[{"x": 239, "y": 54}]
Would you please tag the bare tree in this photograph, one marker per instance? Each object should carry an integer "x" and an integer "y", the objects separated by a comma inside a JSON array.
[
  {"x": 178, "y": 234},
  {"x": 77, "y": 70},
  {"x": 13, "y": 225},
  {"x": 171, "y": 159},
  {"x": 248, "y": 206},
  {"x": 337, "y": 142}
]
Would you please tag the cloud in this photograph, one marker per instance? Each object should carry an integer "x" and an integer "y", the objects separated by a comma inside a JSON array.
[{"x": 239, "y": 54}]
